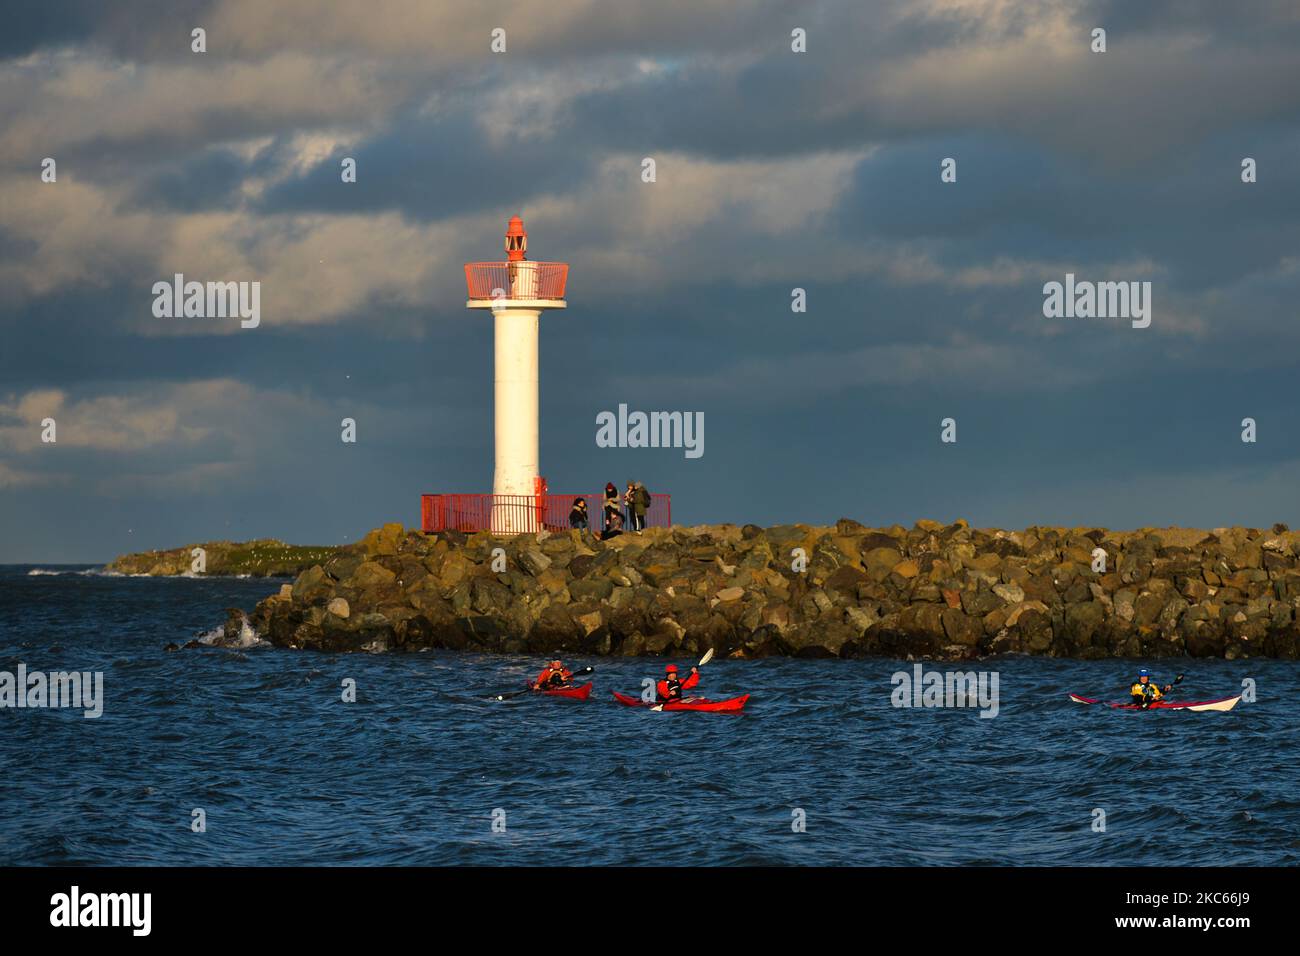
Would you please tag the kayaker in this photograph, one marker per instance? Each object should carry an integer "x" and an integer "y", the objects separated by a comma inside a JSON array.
[
  {"x": 670, "y": 688},
  {"x": 554, "y": 675},
  {"x": 1146, "y": 693}
]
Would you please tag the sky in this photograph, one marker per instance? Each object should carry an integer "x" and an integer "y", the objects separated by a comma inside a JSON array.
[{"x": 775, "y": 170}]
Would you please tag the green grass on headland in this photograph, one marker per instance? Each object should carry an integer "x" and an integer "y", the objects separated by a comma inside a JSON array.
[{"x": 265, "y": 557}]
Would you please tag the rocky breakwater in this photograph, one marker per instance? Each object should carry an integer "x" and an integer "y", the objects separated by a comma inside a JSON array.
[{"x": 938, "y": 591}]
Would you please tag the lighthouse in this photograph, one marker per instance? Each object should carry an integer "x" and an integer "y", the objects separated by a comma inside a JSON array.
[{"x": 516, "y": 292}]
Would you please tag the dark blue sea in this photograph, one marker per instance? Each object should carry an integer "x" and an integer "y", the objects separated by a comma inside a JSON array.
[{"x": 260, "y": 740}]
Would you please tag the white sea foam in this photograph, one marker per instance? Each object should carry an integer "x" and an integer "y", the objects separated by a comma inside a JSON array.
[
  {"x": 247, "y": 638},
  {"x": 89, "y": 572}
]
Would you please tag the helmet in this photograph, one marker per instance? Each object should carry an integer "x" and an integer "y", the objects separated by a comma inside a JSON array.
[
  {"x": 1144, "y": 673},
  {"x": 670, "y": 669}
]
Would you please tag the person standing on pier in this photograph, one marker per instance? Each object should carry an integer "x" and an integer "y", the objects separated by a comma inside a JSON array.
[{"x": 638, "y": 506}]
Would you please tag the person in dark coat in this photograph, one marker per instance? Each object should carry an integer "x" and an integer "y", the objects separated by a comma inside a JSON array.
[
  {"x": 578, "y": 517},
  {"x": 611, "y": 504},
  {"x": 639, "y": 504},
  {"x": 615, "y": 526}
]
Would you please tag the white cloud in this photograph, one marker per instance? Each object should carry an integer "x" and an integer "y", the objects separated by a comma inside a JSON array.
[{"x": 74, "y": 98}]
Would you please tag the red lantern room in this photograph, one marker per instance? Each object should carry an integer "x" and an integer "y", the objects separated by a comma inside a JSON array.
[{"x": 516, "y": 240}]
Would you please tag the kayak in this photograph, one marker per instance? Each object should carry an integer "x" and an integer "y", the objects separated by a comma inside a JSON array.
[
  {"x": 1223, "y": 703},
  {"x": 730, "y": 706},
  {"x": 575, "y": 693}
]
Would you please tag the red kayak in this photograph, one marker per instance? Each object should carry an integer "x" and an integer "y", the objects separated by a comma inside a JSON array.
[
  {"x": 1223, "y": 703},
  {"x": 576, "y": 693},
  {"x": 732, "y": 705}
]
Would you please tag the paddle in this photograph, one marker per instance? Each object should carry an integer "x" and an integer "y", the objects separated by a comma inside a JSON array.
[
  {"x": 1148, "y": 701},
  {"x": 528, "y": 690},
  {"x": 708, "y": 656}
]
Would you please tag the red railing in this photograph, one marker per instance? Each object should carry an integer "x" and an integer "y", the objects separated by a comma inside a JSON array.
[
  {"x": 516, "y": 280},
  {"x": 514, "y": 514}
]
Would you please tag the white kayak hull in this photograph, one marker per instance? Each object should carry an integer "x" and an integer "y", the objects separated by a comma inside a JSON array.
[{"x": 1225, "y": 703}]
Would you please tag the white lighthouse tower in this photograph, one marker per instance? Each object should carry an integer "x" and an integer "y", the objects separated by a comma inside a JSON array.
[{"x": 516, "y": 291}]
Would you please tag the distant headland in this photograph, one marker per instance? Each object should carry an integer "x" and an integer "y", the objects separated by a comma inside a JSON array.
[{"x": 265, "y": 557}]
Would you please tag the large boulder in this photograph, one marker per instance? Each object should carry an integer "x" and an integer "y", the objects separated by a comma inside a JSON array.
[
  {"x": 312, "y": 585},
  {"x": 534, "y": 562},
  {"x": 370, "y": 574},
  {"x": 383, "y": 541}
]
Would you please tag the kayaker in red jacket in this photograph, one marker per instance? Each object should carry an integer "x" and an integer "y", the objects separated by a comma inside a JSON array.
[
  {"x": 670, "y": 688},
  {"x": 554, "y": 675}
]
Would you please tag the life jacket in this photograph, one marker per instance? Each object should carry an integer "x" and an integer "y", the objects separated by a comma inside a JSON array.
[
  {"x": 1139, "y": 691},
  {"x": 550, "y": 677},
  {"x": 670, "y": 688}
]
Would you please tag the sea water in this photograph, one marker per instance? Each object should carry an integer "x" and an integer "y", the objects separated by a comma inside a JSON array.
[{"x": 255, "y": 756}]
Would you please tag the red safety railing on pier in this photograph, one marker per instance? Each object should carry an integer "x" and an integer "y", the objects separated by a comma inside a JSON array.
[{"x": 513, "y": 514}]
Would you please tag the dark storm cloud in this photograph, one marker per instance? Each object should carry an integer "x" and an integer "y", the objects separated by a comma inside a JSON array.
[
  {"x": 431, "y": 168},
  {"x": 1131, "y": 117},
  {"x": 137, "y": 28},
  {"x": 30, "y": 26},
  {"x": 770, "y": 109},
  {"x": 16, "y": 247},
  {"x": 1246, "y": 22},
  {"x": 206, "y": 181},
  {"x": 1194, "y": 216}
]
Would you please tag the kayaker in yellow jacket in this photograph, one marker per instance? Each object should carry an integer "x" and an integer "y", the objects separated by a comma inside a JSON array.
[{"x": 1144, "y": 692}]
